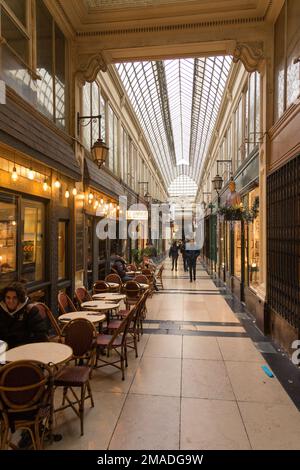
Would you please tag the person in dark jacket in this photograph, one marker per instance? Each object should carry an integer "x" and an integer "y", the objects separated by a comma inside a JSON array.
[
  {"x": 173, "y": 253},
  {"x": 182, "y": 251},
  {"x": 20, "y": 321},
  {"x": 192, "y": 253},
  {"x": 120, "y": 266}
]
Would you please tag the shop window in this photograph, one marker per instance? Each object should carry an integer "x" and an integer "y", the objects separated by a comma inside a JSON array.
[
  {"x": 18, "y": 8},
  {"x": 287, "y": 50},
  {"x": 62, "y": 250},
  {"x": 237, "y": 249},
  {"x": 14, "y": 31},
  {"x": 51, "y": 66},
  {"x": 60, "y": 78},
  {"x": 33, "y": 241},
  {"x": 293, "y": 51},
  {"x": 8, "y": 236},
  {"x": 113, "y": 140},
  {"x": 254, "y": 244}
]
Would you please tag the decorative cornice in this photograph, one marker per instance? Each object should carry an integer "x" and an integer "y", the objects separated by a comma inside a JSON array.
[
  {"x": 88, "y": 72},
  {"x": 250, "y": 54},
  {"x": 171, "y": 27},
  {"x": 65, "y": 16}
]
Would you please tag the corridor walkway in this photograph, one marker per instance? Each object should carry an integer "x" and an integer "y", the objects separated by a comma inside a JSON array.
[{"x": 198, "y": 383}]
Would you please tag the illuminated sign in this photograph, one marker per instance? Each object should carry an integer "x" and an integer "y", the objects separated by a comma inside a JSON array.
[{"x": 137, "y": 215}]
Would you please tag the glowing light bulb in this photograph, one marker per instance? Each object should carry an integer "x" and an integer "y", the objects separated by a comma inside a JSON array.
[
  {"x": 14, "y": 223},
  {"x": 14, "y": 175},
  {"x": 45, "y": 185},
  {"x": 91, "y": 196},
  {"x": 57, "y": 184},
  {"x": 102, "y": 202},
  {"x": 74, "y": 192},
  {"x": 31, "y": 174},
  {"x": 67, "y": 194}
]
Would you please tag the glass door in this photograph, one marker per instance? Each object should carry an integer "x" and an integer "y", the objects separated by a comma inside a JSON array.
[
  {"x": 32, "y": 239},
  {"x": 8, "y": 238}
]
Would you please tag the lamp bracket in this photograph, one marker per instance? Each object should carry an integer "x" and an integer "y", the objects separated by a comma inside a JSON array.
[{"x": 91, "y": 119}]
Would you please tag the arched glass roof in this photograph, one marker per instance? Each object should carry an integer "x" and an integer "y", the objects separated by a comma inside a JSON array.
[
  {"x": 177, "y": 103},
  {"x": 183, "y": 186}
]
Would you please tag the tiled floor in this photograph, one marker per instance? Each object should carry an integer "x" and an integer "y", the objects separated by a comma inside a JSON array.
[{"x": 197, "y": 384}]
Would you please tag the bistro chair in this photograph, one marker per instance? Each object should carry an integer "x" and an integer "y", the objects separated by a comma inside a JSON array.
[
  {"x": 133, "y": 292},
  {"x": 148, "y": 273},
  {"x": 80, "y": 335},
  {"x": 100, "y": 286},
  {"x": 65, "y": 304},
  {"x": 114, "y": 343},
  {"x": 46, "y": 314},
  {"x": 26, "y": 401},
  {"x": 114, "y": 278},
  {"x": 158, "y": 278},
  {"x": 141, "y": 279},
  {"x": 82, "y": 295},
  {"x": 133, "y": 330}
]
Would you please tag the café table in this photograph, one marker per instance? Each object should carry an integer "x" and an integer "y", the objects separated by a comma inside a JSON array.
[
  {"x": 113, "y": 285},
  {"x": 144, "y": 286},
  {"x": 53, "y": 354},
  {"x": 109, "y": 296},
  {"x": 100, "y": 305},
  {"x": 47, "y": 352},
  {"x": 93, "y": 317}
]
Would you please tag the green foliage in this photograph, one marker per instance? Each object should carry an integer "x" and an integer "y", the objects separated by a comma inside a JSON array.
[
  {"x": 137, "y": 255},
  {"x": 239, "y": 213}
]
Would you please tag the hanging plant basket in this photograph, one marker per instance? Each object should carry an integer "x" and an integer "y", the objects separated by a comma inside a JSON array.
[
  {"x": 239, "y": 213},
  {"x": 231, "y": 213}
]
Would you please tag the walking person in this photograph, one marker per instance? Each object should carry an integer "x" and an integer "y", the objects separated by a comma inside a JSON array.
[
  {"x": 192, "y": 253},
  {"x": 174, "y": 253},
  {"x": 184, "y": 259}
]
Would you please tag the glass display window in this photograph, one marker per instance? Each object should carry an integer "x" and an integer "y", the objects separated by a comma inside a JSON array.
[
  {"x": 228, "y": 242},
  {"x": 33, "y": 252},
  {"x": 254, "y": 244},
  {"x": 8, "y": 234},
  {"x": 237, "y": 249}
]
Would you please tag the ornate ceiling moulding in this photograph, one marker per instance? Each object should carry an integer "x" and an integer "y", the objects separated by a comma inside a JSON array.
[
  {"x": 88, "y": 71},
  {"x": 251, "y": 55},
  {"x": 171, "y": 27}
]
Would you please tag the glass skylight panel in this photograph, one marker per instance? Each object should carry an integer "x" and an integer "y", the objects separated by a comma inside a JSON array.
[{"x": 177, "y": 102}]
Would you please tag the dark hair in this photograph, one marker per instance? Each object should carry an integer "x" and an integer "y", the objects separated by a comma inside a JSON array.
[{"x": 16, "y": 287}]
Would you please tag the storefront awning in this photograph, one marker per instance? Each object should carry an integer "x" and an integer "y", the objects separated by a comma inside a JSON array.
[
  {"x": 25, "y": 133},
  {"x": 102, "y": 180}
]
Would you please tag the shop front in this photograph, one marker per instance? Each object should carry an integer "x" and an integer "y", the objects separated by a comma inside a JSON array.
[
  {"x": 38, "y": 171},
  {"x": 35, "y": 220},
  {"x": 239, "y": 239},
  {"x": 100, "y": 201}
]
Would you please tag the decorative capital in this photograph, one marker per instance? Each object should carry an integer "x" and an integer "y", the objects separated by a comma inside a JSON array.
[
  {"x": 88, "y": 71},
  {"x": 251, "y": 54}
]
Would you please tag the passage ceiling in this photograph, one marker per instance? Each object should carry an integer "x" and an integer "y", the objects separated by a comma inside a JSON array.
[{"x": 177, "y": 103}]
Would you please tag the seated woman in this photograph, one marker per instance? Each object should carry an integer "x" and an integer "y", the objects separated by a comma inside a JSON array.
[{"x": 20, "y": 320}]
